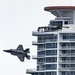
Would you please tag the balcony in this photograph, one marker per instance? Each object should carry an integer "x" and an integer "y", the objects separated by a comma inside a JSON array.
[
  {"x": 36, "y": 33},
  {"x": 39, "y": 56},
  {"x": 67, "y": 47},
  {"x": 41, "y": 49},
  {"x": 67, "y": 61},
  {"x": 29, "y": 71},
  {"x": 67, "y": 40},
  {"x": 67, "y": 68},
  {"x": 41, "y": 63},
  {"x": 51, "y": 40},
  {"x": 67, "y": 54},
  {"x": 43, "y": 41},
  {"x": 38, "y": 42}
]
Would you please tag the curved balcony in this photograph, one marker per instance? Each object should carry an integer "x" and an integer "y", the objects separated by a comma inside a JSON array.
[
  {"x": 35, "y": 70},
  {"x": 39, "y": 56},
  {"x": 43, "y": 41},
  {"x": 38, "y": 42},
  {"x": 36, "y": 33}
]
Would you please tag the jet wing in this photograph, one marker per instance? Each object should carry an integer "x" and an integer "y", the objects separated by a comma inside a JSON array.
[
  {"x": 20, "y": 47},
  {"x": 21, "y": 57}
]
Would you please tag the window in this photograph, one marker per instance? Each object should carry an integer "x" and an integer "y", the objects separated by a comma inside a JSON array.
[
  {"x": 69, "y": 36},
  {"x": 41, "y": 74},
  {"x": 34, "y": 73},
  {"x": 72, "y": 59},
  {"x": 73, "y": 51},
  {"x": 56, "y": 23},
  {"x": 65, "y": 36},
  {"x": 51, "y": 66},
  {"x": 51, "y": 45},
  {"x": 68, "y": 73},
  {"x": 66, "y": 22},
  {"x": 66, "y": 58},
  {"x": 41, "y": 60},
  {"x": 41, "y": 47},
  {"x": 51, "y": 38},
  {"x": 41, "y": 53},
  {"x": 51, "y": 59},
  {"x": 51, "y": 52},
  {"x": 72, "y": 73},
  {"x": 51, "y": 73}
]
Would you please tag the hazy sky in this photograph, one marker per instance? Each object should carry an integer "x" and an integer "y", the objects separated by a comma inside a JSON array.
[{"x": 18, "y": 18}]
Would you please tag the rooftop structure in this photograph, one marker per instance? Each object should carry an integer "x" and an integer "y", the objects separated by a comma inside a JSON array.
[{"x": 56, "y": 43}]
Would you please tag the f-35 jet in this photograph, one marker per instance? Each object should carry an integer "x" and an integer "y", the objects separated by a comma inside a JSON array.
[{"x": 19, "y": 52}]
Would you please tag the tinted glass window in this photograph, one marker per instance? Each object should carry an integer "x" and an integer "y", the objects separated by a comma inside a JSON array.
[
  {"x": 54, "y": 23},
  {"x": 51, "y": 73},
  {"x": 51, "y": 45},
  {"x": 51, "y": 66},
  {"x": 51, "y": 59},
  {"x": 51, "y": 52}
]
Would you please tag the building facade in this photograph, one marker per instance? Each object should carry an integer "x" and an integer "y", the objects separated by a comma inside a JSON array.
[{"x": 56, "y": 43}]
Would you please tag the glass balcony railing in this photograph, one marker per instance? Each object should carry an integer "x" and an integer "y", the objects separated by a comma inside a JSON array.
[
  {"x": 41, "y": 49},
  {"x": 67, "y": 54},
  {"x": 67, "y": 61},
  {"x": 51, "y": 40},
  {"x": 67, "y": 68},
  {"x": 35, "y": 70},
  {"x": 31, "y": 70},
  {"x": 43, "y": 62},
  {"x": 66, "y": 47},
  {"x": 38, "y": 42},
  {"x": 43, "y": 41},
  {"x": 67, "y": 40},
  {"x": 38, "y": 56}
]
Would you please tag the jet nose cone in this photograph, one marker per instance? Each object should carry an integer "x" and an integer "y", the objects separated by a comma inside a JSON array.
[{"x": 5, "y": 50}]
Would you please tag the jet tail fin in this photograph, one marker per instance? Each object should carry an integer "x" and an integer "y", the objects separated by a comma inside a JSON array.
[
  {"x": 28, "y": 57},
  {"x": 20, "y": 47},
  {"x": 27, "y": 50}
]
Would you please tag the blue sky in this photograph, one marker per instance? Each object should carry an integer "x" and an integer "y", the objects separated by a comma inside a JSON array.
[{"x": 18, "y": 18}]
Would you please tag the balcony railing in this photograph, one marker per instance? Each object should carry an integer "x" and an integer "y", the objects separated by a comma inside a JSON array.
[
  {"x": 67, "y": 54},
  {"x": 67, "y": 61},
  {"x": 41, "y": 49},
  {"x": 31, "y": 70},
  {"x": 43, "y": 62},
  {"x": 51, "y": 40},
  {"x": 35, "y": 70},
  {"x": 67, "y": 47},
  {"x": 67, "y": 68},
  {"x": 67, "y": 40},
  {"x": 38, "y": 56},
  {"x": 43, "y": 41},
  {"x": 38, "y": 42}
]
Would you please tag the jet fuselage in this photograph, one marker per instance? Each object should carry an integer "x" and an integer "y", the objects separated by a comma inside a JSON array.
[
  {"x": 19, "y": 52},
  {"x": 16, "y": 52}
]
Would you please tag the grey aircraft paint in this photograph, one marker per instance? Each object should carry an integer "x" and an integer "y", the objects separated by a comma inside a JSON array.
[{"x": 19, "y": 52}]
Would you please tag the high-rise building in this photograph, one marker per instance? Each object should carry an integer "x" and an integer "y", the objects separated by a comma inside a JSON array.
[{"x": 56, "y": 43}]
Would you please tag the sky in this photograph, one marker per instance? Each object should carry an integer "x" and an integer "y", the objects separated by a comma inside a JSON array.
[{"x": 18, "y": 18}]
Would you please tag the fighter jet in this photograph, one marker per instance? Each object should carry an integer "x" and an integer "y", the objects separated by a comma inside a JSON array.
[{"x": 19, "y": 52}]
